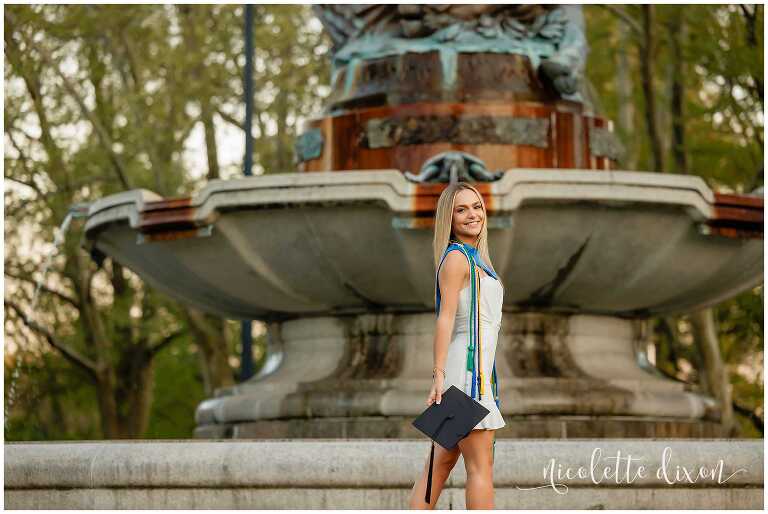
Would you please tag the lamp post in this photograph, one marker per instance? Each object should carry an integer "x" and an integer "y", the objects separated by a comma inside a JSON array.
[{"x": 246, "y": 335}]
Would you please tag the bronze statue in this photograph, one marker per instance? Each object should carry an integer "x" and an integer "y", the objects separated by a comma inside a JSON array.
[{"x": 551, "y": 36}]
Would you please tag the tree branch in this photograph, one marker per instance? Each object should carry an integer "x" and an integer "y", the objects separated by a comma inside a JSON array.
[
  {"x": 229, "y": 118},
  {"x": 155, "y": 348},
  {"x": 24, "y": 163},
  {"x": 30, "y": 185},
  {"x": 15, "y": 210},
  {"x": 750, "y": 415},
  {"x": 750, "y": 19},
  {"x": 101, "y": 132},
  {"x": 32, "y": 83},
  {"x": 233, "y": 121},
  {"x": 623, "y": 16},
  {"x": 70, "y": 354},
  {"x": 43, "y": 287},
  {"x": 185, "y": 131}
]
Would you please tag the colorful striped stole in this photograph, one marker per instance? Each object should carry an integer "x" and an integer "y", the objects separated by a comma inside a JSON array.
[{"x": 474, "y": 383}]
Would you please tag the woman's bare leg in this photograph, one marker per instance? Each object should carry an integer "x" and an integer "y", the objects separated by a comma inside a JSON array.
[
  {"x": 443, "y": 464},
  {"x": 477, "y": 450}
]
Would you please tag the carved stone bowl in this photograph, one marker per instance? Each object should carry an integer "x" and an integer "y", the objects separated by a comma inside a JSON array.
[{"x": 628, "y": 244}]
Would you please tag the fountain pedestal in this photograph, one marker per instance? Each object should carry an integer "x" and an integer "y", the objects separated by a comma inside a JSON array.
[{"x": 363, "y": 376}]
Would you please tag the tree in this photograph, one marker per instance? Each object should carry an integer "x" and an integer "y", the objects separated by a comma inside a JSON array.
[
  {"x": 100, "y": 99},
  {"x": 712, "y": 58}
]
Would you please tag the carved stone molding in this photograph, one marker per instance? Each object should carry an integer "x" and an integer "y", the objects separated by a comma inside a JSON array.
[
  {"x": 419, "y": 130},
  {"x": 604, "y": 143}
]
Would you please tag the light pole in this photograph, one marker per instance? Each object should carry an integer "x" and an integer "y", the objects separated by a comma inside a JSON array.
[{"x": 246, "y": 337}]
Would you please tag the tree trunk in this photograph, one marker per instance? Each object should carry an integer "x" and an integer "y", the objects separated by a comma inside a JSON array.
[
  {"x": 678, "y": 32},
  {"x": 705, "y": 336},
  {"x": 105, "y": 396},
  {"x": 626, "y": 117},
  {"x": 124, "y": 391},
  {"x": 750, "y": 21},
  {"x": 57, "y": 410},
  {"x": 210, "y": 138},
  {"x": 208, "y": 331},
  {"x": 713, "y": 377},
  {"x": 647, "y": 51},
  {"x": 669, "y": 352},
  {"x": 284, "y": 156},
  {"x": 136, "y": 392}
]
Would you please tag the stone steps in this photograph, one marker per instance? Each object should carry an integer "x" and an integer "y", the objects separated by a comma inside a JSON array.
[{"x": 370, "y": 474}]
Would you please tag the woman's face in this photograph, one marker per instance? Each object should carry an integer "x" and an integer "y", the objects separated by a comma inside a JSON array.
[{"x": 468, "y": 215}]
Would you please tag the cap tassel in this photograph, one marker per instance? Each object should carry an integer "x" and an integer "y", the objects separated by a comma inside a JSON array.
[{"x": 429, "y": 477}]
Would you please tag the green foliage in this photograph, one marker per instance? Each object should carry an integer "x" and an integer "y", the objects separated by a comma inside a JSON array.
[
  {"x": 103, "y": 98},
  {"x": 178, "y": 390},
  {"x": 739, "y": 323},
  {"x": 740, "y": 331},
  {"x": 721, "y": 65},
  {"x": 56, "y": 401},
  {"x": 722, "y": 61},
  {"x": 296, "y": 73}
]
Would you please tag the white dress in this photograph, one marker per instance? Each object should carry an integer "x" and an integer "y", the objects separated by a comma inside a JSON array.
[{"x": 492, "y": 296}]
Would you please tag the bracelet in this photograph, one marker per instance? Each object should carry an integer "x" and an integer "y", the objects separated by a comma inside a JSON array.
[{"x": 433, "y": 372}]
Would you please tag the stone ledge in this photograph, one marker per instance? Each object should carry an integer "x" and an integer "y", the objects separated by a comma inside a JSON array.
[
  {"x": 390, "y": 499},
  {"x": 367, "y": 473}
]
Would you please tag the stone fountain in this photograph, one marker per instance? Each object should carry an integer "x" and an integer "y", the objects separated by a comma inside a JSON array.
[{"x": 337, "y": 259}]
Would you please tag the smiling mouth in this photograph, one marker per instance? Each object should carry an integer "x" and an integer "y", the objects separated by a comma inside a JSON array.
[{"x": 472, "y": 223}]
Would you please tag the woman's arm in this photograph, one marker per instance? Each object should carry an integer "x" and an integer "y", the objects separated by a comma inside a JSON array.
[{"x": 453, "y": 273}]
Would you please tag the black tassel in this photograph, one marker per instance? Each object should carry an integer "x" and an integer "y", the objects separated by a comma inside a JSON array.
[
  {"x": 429, "y": 477},
  {"x": 432, "y": 455}
]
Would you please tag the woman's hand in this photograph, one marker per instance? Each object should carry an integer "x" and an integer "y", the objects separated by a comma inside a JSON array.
[{"x": 436, "y": 393}]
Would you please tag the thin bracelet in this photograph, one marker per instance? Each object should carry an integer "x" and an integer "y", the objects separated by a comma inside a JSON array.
[{"x": 433, "y": 372}]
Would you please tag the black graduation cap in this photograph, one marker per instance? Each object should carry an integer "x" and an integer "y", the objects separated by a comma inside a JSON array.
[{"x": 449, "y": 422}]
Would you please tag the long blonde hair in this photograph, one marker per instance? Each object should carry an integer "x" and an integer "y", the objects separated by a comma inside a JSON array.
[{"x": 444, "y": 223}]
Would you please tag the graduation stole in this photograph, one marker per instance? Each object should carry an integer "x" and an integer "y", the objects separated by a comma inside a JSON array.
[{"x": 474, "y": 383}]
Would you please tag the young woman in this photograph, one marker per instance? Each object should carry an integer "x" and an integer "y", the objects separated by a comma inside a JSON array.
[{"x": 461, "y": 232}]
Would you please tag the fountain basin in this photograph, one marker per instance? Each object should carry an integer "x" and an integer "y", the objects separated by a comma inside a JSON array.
[{"x": 620, "y": 243}]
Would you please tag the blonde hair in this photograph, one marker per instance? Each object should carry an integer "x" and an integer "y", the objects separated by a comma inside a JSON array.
[{"x": 444, "y": 223}]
